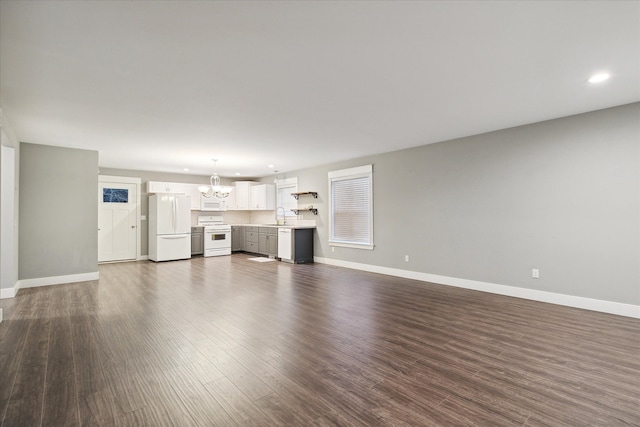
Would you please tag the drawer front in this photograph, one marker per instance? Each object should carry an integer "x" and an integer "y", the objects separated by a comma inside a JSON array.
[
  {"x": 251, "y": 236},
  {"x": 251, "y": 247},
  {"x": 252, "y": 229}
]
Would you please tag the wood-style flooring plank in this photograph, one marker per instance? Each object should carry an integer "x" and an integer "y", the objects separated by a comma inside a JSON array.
[
  {"x": 194, "y": 396},
  {"x": 280, "y": 381},
  {"x": 61, "y": 397},
  {"x": 226, "y": 341},
  {"x": 27, "y": 395},
  {"x": 239, "y": 408},
  {"x": 12, "y": 346}
]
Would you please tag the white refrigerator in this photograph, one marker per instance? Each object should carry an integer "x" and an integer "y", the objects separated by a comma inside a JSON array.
[{"x": 169, "y": 227}]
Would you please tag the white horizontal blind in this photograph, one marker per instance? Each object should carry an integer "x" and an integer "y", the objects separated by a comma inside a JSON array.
[{"x": 351, "y": 207}]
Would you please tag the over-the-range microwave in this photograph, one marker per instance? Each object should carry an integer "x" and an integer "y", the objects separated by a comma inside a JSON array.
[{"x": 212, "y": 204}]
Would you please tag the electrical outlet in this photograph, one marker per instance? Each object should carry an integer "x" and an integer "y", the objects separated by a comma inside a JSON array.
[
  {"x": 333, "y": 248},
  {"x": 535, "y": 273},
  {"x": 406, "y": 258}
]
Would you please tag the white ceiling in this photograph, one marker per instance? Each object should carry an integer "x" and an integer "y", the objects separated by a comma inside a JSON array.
[{"x": 167, "y": 85}]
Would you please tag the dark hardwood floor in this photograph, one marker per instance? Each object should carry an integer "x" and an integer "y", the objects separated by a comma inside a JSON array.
[{"x": 225, "y": 341}]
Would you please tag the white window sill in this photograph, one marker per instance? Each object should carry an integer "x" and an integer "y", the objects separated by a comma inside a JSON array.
[{"x": 352, "y": 245}]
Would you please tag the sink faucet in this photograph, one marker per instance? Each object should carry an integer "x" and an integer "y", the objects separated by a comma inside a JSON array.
[{"x": 284, "y": 215}]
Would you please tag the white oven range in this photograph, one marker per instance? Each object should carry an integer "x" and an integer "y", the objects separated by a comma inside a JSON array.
[{"x": 217, "y": 235}]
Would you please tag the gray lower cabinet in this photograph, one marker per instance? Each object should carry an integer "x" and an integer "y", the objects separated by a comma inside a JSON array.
[
  {"x": 272, "y": 246},
  {"x": 251, "y": 239},
  {"x": 197, "y": 240},
  {"x": 237, "y": 238},
  {"x": 268, "y": 241},
  {"x": 264, "y": 241}
]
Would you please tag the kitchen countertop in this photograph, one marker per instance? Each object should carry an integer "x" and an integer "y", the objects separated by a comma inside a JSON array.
[{"x": 292, "y": 226}]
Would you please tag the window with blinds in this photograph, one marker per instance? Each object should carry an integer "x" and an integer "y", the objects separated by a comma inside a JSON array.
[{"x": 351, "y": 207}]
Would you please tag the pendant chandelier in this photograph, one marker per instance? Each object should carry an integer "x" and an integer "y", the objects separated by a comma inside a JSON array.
[{"x": 215, "y": 189}]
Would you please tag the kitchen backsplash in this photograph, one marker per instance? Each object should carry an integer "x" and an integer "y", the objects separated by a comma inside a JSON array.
[
  {"x": 263, "y": 217},
  {"x": 248, "y": 217},
  {"x": 229, "y": 217},
  {"x": 236, "y": 217}
]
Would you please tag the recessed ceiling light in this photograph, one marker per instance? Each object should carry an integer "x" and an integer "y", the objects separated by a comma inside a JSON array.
[
  {"x": 237, "y": 173},
  {"x": 597, "y": 78},
  {"x": 270, "y": 166},
  {"x": 186, "y": 169}
]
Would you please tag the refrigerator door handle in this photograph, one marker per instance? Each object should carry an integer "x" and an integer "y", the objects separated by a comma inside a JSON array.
[{"x": 173, "y": 219}]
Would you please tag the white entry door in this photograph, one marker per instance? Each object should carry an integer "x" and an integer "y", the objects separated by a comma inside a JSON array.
[{"x": 117, "y": 216}]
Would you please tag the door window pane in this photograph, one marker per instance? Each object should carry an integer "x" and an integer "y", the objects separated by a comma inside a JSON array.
[{"x": 115, "y": 195}]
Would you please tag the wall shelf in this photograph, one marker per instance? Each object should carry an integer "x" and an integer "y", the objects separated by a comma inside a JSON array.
[
  {"x": 305, "y": 193},
  {"x": 314, "y": 210}
]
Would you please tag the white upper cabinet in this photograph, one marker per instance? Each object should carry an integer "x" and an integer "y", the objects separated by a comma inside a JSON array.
[
  {"x": 246, "y": 196},
  {"x": 263, "y": 197},
  {"x": 242, "y": 200},
  {"x": 231, "y": 200},
  {"x": 166, "y": 187},
  {"x": 195, "y": 196},
  {"x": 177, "y": 188}
]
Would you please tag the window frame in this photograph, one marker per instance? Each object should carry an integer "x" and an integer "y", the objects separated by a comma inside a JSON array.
[
  {"x": 365, "y": 171},
  {"x": 292, "y": 184}
]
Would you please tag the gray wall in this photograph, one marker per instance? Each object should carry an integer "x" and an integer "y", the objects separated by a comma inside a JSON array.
[
  {"x": 562, "y": 196},
  {"x": 58, "y": 211}
]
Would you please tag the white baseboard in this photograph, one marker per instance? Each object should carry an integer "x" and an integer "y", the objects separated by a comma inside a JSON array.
[
  {"x": 9, "y": 292},
  {"x": 120, "y": 261},
  {"x": 57, "y": 280},
  {"x": 610, "y": 307}
]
